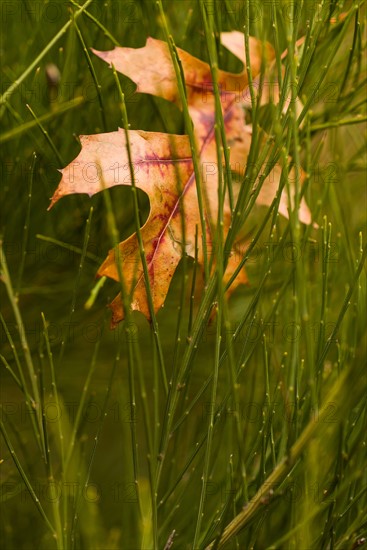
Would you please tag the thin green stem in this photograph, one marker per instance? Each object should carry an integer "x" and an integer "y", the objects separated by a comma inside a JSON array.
[{"x": 4, "y": 98}]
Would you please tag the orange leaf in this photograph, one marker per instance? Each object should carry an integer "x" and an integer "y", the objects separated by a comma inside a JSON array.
[{"x": 163, "y": 166}]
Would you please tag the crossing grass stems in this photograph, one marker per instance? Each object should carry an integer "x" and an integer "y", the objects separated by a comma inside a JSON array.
[{"x": 243, "y": 429}]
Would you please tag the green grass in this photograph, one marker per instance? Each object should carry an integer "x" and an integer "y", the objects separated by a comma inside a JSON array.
[{"x": 246, "y": 430}]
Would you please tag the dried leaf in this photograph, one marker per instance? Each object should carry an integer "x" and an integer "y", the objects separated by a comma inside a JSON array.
[{"x": 163, "y": 166}]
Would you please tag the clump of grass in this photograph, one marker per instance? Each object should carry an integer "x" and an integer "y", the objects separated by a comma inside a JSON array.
[{"x": 245, "y": 430}]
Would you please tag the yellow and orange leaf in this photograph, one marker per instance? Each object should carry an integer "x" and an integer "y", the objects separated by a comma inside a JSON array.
[{"x": 163, "y": 166}]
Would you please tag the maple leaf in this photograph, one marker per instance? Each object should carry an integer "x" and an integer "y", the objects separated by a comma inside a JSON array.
[{"x": 163, "y": 165}]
